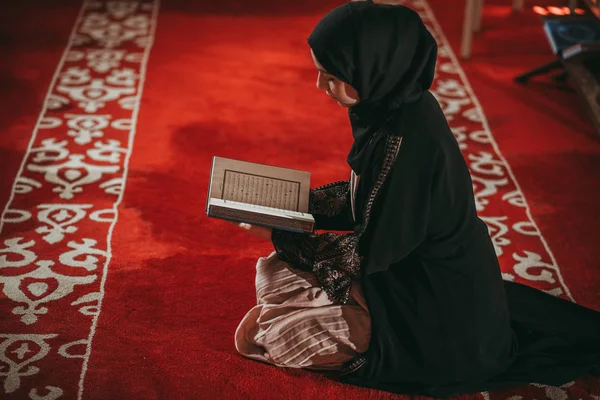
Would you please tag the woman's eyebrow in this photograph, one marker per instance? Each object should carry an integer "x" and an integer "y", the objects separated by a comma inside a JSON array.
[{"x": 322, "y": 71}]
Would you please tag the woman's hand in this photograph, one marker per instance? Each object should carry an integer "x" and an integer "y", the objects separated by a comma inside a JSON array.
[{"x": 258, "y": 231}]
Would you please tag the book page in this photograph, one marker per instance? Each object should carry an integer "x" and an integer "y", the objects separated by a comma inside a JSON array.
[
  {"x": 261, "y": 190},
  {"x": 259, "y": 184}
]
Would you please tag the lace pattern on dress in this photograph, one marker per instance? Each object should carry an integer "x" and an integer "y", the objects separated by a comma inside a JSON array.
[
  {"x": 329, "y": 199},
  {"x": 337, "y": 263},
  {"x": 294, "y": 248},
  {"x": 332, "y": 257}
]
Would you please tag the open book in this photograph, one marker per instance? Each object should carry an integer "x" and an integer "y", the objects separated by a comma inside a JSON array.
[{"x": 259, "y": 194}]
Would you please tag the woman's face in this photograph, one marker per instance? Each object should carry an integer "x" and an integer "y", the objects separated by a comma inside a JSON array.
[{"x": 344, "y": 94}]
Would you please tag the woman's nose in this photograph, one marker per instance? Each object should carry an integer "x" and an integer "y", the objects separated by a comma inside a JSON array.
[{"x": 320, "y": 82}]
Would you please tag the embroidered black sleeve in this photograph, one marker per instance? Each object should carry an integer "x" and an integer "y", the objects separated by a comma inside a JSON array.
[
  {"x": 332, "y": 257},
  {"x": 294, "y": 248},
  {"x": 331, "y": 208}
]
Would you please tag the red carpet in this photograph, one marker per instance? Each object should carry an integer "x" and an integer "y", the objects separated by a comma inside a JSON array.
[{"x": 145, "y": 306}]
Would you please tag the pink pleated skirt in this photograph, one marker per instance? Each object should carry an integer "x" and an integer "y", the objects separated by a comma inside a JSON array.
[{"x": 294, "y": 324}]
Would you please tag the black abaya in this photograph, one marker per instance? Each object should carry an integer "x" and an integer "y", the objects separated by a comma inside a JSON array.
[{"x": 443, "y": 320}]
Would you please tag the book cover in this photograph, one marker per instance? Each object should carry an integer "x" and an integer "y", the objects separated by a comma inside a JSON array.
[{"x": 566, "y": 31}]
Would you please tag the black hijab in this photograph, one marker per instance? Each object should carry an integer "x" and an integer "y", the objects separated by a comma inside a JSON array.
[{"x": 386, "y": 53}]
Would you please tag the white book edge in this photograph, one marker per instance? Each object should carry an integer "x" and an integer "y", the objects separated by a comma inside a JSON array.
[
  {"x": 550, "y": 38},
  {"x": 295, "y": 215}
]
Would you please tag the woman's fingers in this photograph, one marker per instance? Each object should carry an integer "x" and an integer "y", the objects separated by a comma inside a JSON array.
[{"x": 258, "y": 231}]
